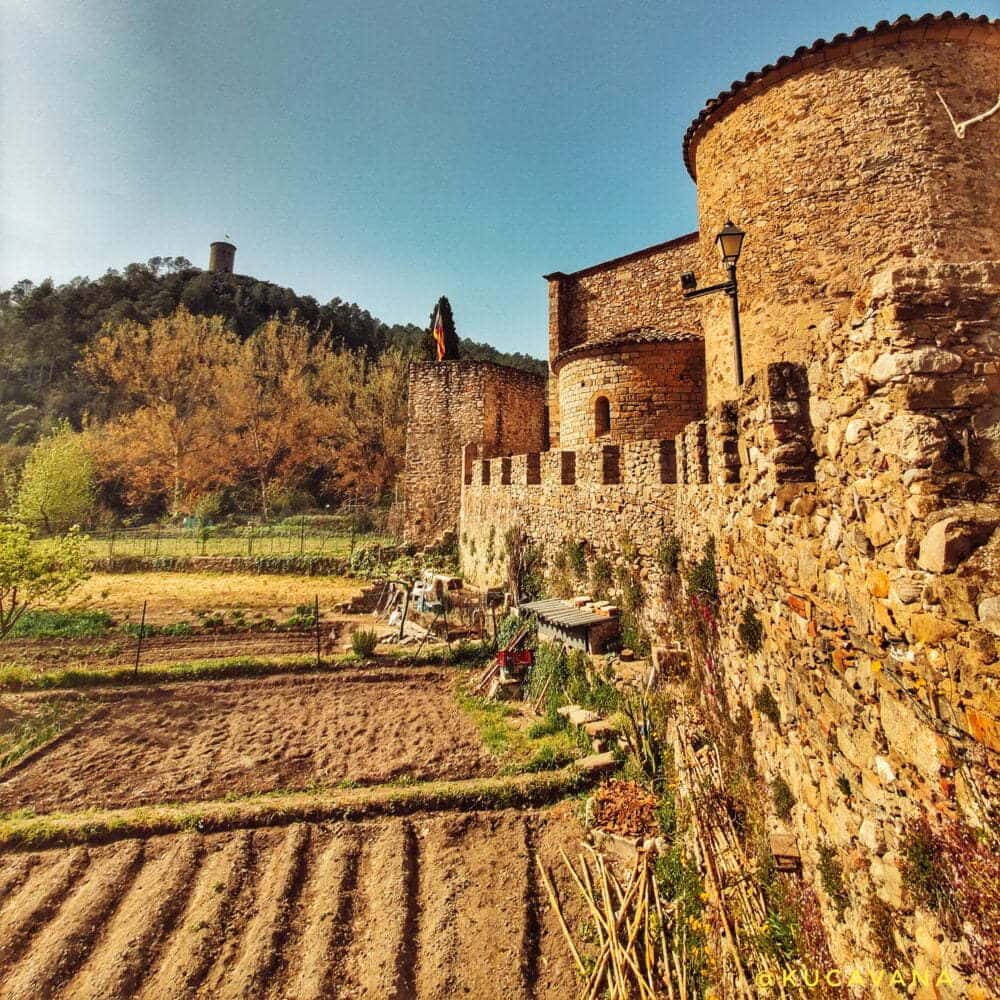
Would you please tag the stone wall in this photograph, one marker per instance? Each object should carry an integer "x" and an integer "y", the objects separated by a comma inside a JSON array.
[
  {"x": 853, "y": 503},
  {"x": 875, "y": 579},
  {"x": 598, "y": 493},
  {"x": 653, "y": 389},
  {"x": 854, "y": 166},
  {"x": 638, "y": 291},
  {"x": 453, "y": 405}
]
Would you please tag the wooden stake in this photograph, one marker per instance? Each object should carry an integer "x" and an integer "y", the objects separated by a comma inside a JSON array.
[{"x": 553, "y": 899}]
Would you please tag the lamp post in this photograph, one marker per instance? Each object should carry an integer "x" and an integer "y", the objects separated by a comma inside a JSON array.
[{"x": 730, "y": 244}]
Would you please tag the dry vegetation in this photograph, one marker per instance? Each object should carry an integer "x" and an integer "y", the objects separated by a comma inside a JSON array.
[{"x": 178, "y": 596}]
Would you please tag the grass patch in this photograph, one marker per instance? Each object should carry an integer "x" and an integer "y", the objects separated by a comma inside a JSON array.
[
  {"x": 50, "y": 719},
  {"x": 27, "y": 830},
  {"x": 542, "y": 746}
]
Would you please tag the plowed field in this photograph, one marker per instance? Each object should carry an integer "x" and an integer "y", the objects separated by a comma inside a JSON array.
[
  {"x": 434, "y": 907},
  {"x": 205, "y": 740}
]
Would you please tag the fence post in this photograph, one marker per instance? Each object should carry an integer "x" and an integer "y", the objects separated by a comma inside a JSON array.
[
  {"x": 249, "y": 541},
  {"x": 111, "y": 546},
  {"x": 142, "y": 628},
  {"x": 317, "y": 631},
  {"x": 302, "y": 534}
]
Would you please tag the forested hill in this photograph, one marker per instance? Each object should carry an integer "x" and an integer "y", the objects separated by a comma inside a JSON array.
[{"x": 44, "y": 328}]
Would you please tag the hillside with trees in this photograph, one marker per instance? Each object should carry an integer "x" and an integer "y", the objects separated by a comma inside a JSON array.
[{"x": 143, "y": 360}]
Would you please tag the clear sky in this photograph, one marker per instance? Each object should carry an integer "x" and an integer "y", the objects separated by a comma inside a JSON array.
[{"x": 383, "y": 152}]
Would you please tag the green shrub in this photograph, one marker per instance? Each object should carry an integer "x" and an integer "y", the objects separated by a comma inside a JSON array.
[
  {"x": 601, "y": 578},
  {"x": 668, "y": 554},
  {"x": 703, "y": 577},
  {"x": 751, "y": 630},
  {"x": 783, "y": 798},
  {"x": 363, "y": 642},
  {"x": 831, "y": 873},
  {"x": 765, "y": 703}
]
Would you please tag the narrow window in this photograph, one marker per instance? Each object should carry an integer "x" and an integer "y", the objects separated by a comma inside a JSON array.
[{"x": 602, "y": 416}]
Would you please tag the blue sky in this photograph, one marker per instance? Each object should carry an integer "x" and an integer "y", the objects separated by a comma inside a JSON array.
[{"x": 383, "y": 152}]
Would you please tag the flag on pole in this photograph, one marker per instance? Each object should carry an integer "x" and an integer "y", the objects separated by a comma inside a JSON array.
[{"x": 439, "y": 333}]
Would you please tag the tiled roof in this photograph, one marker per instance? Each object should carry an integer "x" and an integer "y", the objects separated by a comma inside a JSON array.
[
  {"x": 640, "y": 335},
  {"x": 807, "y": 55}
]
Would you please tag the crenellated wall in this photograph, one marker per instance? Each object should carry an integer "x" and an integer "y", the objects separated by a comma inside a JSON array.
[{"x": 854, "y": 504}]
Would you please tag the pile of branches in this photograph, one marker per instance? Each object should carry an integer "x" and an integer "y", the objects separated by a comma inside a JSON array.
[
  {"x": 625, "y": 808},
  {"x": 637, "y": 958}
]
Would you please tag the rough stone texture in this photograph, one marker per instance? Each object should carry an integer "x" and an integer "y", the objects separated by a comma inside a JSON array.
[
  {"x": 819, "y": 485},
  {"x": 639, "y": 291},
  {"x": 653, "y": 390},
  {"x": 855, "y": 166},
  {"x": 453, "y": 405},
  {"x": 852, "y": 484}
]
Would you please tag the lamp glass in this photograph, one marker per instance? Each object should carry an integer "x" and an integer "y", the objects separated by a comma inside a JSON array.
[{"x": 730, "y": 242}]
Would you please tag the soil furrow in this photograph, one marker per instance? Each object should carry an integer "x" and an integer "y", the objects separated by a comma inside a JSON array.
[
  {"x": 13, "y": 875},
  {"x": 376, "y": 932},
  {"x": 200, "y": 932},
  {"x": 57, "y": 952},
  {"x": 235, "y": 920},
  {"x": 327, "y": 918},
  {"x": 136, "y": 933},
  {"x": 439, "y": 899},
  {"x": 408, "y": 956},
  {"x": 274, "y": 899},
  {"x": 531, "y": 938},
  {"x": 33, "y": 905}
]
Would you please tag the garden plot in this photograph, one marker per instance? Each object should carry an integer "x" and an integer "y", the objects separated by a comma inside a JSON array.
[
  {"x": 208, "y": 740},
  {"x": 430, "y": 907}
]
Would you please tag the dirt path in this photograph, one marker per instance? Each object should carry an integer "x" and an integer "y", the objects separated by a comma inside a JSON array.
[
  {"x": 207, "y": 740},
  {"x": 424, "y": 908}
]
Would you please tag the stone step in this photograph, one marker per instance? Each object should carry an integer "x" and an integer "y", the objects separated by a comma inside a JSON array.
[
  {"x": 599, "y": 728},
  {"x": 582, "y": 716},
  {"x": 597, "y": 763}
]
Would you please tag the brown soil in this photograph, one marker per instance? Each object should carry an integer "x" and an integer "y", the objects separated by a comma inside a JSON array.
[
  {"x": 119, "y": 650},
  {"x": 204, "y": 740},
  {"x": 426, "y": 908}
]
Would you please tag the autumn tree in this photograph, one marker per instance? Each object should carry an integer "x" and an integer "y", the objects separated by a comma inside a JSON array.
[
  {"x": 267, "y": 399},
  {"x": 163, "y": 381},
  {"x": 57, "y": 488},
  {"x": 363, "y": 407}
]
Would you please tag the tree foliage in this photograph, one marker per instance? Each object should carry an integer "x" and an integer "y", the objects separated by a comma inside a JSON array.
[
  {"x": 163, "y": 384},
  {"x": 41, "y": 571},
  {"x": 57, "y": 487},
  {"x": 452, "y": 345}
]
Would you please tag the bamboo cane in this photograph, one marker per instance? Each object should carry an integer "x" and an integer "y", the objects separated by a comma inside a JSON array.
[{"x": 553, "y": 899}]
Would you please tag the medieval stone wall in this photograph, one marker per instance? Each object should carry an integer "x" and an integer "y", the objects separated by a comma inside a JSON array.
[
  {"x": 640, "y": 290},
  {"x": 854, "y": 507},
  {"x": 840, "y": 163},
  {"x": 652, "y": 390},
  {"x": 452, "y": 405}
]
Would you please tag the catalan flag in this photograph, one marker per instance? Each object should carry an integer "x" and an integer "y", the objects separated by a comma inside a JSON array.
[{"x": 439, "y": 333}]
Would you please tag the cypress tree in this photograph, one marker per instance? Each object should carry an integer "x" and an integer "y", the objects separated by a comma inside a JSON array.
[{"x": 451, "y": 349}]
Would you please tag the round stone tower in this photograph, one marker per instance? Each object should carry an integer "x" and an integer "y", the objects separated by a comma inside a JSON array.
[
  {"x": 221, "y": 257},
  {"x": 838, "y": 161}
]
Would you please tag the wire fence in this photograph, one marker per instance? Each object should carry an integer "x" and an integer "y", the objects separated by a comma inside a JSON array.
[{"x": 250, "y": 541}]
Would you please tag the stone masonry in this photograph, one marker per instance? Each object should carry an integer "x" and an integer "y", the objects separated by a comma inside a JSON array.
[{"x": 852, "y": 483}]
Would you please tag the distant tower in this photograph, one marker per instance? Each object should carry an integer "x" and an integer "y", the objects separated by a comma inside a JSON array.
[{"x": 221, "y": 257}]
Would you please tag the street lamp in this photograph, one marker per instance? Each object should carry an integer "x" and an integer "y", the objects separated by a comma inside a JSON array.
[{"x": 730, "y": 244}]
